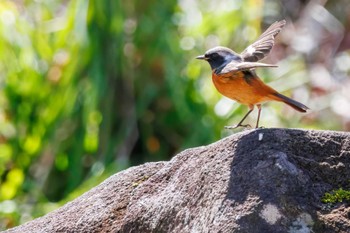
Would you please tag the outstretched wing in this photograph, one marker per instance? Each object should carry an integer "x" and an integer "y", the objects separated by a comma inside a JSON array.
[
  {"x": 263, "y": 45},
  {"x": 240, "y": 66}
]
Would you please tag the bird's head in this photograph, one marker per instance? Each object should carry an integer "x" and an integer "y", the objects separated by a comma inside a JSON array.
[{"x": 219, "y": 56}]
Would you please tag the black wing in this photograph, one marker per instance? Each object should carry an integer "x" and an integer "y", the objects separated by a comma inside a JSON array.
[{"x": 263, "y": 45}]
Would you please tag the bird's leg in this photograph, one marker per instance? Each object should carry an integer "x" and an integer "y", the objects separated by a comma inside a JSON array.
[
  {"x": 259, "y": 111},
  {"x": 240, "y": 123}
]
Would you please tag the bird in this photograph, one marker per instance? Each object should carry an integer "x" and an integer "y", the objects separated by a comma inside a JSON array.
[{"x": 234, "y": 74}]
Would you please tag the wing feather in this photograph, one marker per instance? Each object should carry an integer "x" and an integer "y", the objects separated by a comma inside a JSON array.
[
  {"x": 240, "y": 66},
  {"x": 263, "y": 45}
]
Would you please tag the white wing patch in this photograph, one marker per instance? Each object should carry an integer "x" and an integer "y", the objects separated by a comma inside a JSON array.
[{"x": 251, "y": 50}]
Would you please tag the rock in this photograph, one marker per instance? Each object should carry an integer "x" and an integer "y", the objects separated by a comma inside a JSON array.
[{"x": 263, "y": 180}]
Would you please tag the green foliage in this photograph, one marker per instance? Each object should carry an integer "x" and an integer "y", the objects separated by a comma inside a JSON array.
[{"x": 336, "y": 196}]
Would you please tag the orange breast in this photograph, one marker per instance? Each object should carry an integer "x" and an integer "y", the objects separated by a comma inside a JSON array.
[{"x": 235, "y": 86}]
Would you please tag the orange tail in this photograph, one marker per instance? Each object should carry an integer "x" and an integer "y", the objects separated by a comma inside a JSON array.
[{"x": 294, "y": 104}]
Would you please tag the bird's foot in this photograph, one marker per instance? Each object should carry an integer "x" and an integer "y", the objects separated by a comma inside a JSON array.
[{"x": 237, "y": 126}]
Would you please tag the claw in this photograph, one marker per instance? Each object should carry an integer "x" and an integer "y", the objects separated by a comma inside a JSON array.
[{"x": 237, "y": 126}]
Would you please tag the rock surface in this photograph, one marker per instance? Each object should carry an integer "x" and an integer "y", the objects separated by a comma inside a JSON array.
[{"x": 264, "y": 180}]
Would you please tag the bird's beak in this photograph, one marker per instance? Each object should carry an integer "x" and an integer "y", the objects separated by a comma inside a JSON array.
[{"x": 201, "y": 57}]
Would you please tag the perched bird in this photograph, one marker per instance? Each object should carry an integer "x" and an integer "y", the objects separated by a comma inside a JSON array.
[{"x": 234, "y": 74}]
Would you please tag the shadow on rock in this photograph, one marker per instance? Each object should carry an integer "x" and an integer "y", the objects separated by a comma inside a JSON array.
[{"x": 278, "y": 178}]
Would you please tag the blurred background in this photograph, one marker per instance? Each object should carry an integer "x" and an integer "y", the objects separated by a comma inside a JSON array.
[{"x": 89, "y": 88}]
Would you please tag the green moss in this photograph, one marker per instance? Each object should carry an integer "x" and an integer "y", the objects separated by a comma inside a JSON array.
[
  {"x": 335, "y": 196},
  {"x": 137, "y": 183}
]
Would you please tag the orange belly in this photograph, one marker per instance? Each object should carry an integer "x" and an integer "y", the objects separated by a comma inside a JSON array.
[{"x": 235, "y": 87}]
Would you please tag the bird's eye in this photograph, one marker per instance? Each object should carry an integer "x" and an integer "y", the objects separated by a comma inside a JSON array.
[{"x": 211, "y": 56}]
